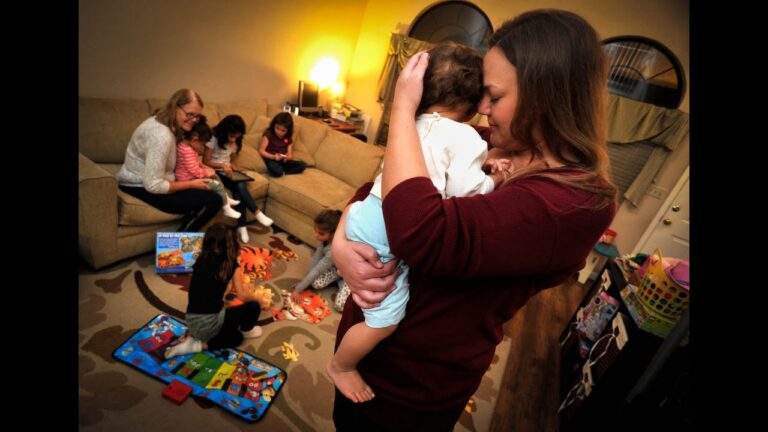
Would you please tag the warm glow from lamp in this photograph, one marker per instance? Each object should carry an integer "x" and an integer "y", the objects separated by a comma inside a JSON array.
[
  {"x": 325, "y": 72},
  {"x": 337, "y": 89}
]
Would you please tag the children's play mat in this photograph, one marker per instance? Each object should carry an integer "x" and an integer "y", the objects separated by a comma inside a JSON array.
[{"x": 235, "y": 380}]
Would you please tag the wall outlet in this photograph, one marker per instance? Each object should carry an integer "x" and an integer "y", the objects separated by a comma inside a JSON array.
[{"x": 656, "y": 191}]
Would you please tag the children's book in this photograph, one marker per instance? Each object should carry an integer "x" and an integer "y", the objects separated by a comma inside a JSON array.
[{"x": 175, "y": 252}]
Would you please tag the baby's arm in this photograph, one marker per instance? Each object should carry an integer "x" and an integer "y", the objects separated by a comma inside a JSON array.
[{"x": 498, "y": 169}]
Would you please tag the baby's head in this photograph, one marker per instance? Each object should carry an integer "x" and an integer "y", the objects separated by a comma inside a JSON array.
[
  {"x": 454, "y": 78},
  {"x": 325, "y": 224},
  {"x": 200, "y": 134}
]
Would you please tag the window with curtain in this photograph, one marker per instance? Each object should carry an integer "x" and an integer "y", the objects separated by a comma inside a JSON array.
[{"x": 647, "y": 84}]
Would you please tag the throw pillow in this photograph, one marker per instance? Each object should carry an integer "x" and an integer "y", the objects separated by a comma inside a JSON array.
[{"x": 249, "y": 157}]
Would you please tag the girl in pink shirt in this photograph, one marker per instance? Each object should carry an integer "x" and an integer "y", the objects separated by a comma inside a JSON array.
[{"x": 188, "y": 165}]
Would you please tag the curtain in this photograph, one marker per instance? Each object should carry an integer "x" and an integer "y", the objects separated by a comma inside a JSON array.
[
  {"x": 401, "y": 48},
  {"x": 631, "y": 121}
]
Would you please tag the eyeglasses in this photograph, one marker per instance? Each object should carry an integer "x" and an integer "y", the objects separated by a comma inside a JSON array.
[{"x": 190, "y": 115}]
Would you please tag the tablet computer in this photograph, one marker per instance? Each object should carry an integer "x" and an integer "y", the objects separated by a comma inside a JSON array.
[{"x": 237, "y": 176}]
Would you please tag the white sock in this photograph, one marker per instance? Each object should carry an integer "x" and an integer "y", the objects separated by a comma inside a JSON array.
[
  {"x": 255, "y": 332},
  {"x": 230, "y": 212},
  {"x": 263, "y": 219},
  {"x": 243, "y": 234},
  {"x": 232, "y": 202},
  {"x": 190, "y": 345}
]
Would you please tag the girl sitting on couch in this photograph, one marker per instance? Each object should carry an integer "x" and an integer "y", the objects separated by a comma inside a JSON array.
[
  {"x": 188, "y": 164},
  {"x": 219, "y": 154},
  {"x": 277, "y": 147}
]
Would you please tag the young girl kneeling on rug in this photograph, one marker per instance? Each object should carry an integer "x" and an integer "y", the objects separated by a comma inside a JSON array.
[
  {"x": 322, "y": 272},
  {"x": 210, "y": 324}
]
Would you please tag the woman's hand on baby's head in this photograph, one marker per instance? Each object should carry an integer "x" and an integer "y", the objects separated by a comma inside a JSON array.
[{"x": 410, "y": 83}]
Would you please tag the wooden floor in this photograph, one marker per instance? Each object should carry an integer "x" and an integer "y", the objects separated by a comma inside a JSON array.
[{"x": 529, "y": 392}]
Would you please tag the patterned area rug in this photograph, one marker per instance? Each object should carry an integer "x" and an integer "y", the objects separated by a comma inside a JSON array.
[{"x": 117, "y": 301}]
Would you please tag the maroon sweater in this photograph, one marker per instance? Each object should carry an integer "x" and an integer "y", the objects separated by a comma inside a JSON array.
[{"x": 474, "y": 261}]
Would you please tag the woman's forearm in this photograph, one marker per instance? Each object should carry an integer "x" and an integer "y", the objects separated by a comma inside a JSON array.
[{"x": 403, "y": 158}]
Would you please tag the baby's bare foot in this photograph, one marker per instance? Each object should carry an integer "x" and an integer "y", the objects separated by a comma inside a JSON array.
[{"x": 349, "y": 383}]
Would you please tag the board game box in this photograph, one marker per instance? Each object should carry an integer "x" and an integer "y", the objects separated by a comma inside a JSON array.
[{"x": 175, "y": 252}]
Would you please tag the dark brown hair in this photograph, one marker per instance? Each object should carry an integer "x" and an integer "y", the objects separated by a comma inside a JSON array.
[
  {"x": 220, "y": 241},
  {"x": 200, "y": 129},
  {"x": 328, "y": 220},
  {"x": 561, "y": 78},
  {"x": 454, "y": 78}
]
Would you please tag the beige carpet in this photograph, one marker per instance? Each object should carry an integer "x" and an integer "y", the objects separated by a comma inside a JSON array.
[{"x": 113, "y": 396}]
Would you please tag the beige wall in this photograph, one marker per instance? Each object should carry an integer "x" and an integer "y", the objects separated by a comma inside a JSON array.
[
  {"x": 225, "y": 50},
  {"x": 243, "y": 49}
]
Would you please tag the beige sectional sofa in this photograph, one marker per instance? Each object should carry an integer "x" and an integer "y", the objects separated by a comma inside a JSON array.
[{"x": 114, "y": 225}]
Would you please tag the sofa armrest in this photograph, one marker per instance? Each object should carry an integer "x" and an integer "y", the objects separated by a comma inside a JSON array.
[{"x": 97, "y": 213}]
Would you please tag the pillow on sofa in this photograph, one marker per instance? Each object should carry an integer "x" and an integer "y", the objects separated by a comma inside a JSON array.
[
  {"x": 106, "y": 127},
  {"x": 210, "y": 110},
  {"x": 310, "y": 132},
  {"x": 249, "y": 157},
  {"x": 349, "y": 159},
  {"x": 248, "y": 110},
  {"x": 131, "y": 211},
  {"x": 300, "y": 150}
]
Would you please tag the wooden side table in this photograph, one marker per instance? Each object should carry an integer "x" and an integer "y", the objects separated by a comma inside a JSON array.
[{"x": 337, "y": 125}]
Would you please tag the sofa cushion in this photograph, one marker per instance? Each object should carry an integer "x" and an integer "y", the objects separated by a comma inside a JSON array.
[
  {"x": 259, "y": 186},
  {"x": 133, "y": 211},
  {"x": 248, "y": 110},
  {"x": 309, "y": 192},
  {"x": 300, "y": 150},
  {"x": 106, "y": 127},
  {"x": 348, "y": 158},
  {"x": 311, "y": 133},
  {"x": 210, "y": 109},
  {"x": 249, "y": 157}
]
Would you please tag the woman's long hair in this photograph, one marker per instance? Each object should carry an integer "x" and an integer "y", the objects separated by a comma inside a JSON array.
[{"x": 561, "y": 72}]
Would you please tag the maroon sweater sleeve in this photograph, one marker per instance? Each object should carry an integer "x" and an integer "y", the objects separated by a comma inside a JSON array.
[
  {"x": 361, "y": 193},
  {"x": 517, "y": 230}
]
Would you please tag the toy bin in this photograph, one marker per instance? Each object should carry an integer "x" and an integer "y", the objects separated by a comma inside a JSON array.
[{"x": 659, "y": 293}]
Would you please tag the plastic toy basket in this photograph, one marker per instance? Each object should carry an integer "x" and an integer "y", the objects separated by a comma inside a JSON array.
[{"x": 660, "y": 294}]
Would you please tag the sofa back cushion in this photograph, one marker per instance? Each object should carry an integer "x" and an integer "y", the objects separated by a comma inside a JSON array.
[
  {"x": 248, "y": 110},
  {"x": 348, "y": 158},
  {"x": 309, "y": 132},
  {"x": 106, "y": 126},
  {"x": 249, "y": 157}
]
